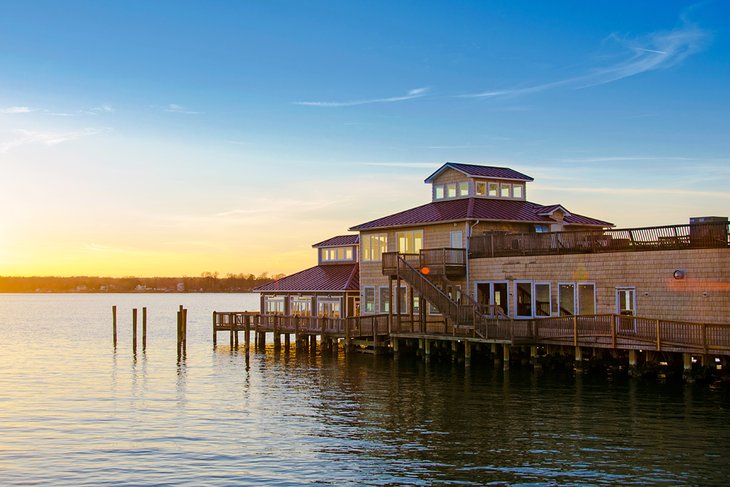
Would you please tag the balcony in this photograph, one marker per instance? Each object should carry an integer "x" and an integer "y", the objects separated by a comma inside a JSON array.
[
  {"x": 673, "y": 237},
  {"x": 443, "y": 262}
]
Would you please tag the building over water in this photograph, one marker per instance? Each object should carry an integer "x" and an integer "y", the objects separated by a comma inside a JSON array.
[{"x": 480, "y": 254}]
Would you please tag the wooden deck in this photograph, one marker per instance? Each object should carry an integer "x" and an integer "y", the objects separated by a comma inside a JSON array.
[{"x": 594, "y": 331}]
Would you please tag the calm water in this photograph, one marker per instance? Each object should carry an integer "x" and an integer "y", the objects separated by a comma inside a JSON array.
[{"x": 73, "y": 412}]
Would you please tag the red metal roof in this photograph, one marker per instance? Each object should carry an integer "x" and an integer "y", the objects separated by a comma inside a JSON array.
[
  {"x": 483, "y": 209},
  {"x": 339, "y": 241},
  {"x": 474, "y": 170},
  {"x": 333, "y": 277}
]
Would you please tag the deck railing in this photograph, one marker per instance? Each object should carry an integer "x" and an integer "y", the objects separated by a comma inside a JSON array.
[
  {"x": 599, "y": 331},
  {"x": 672, "y": 237}
]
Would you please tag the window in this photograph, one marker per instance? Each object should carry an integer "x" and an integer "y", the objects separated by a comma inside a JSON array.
[
  {"x": 523, "y": 299},
  {"x": 373, "y": 247},
  {"x": 464, "y": 189},
  {"x": 456, "y": 240},
  {"x": 493, "y": 293},
  {"x": 274, "y": 305},
  {"x": 301, "y": 305},
  {"x": 384, "y": 299},
  {"x": 505, "y": 190},
  {"x": 586, "y": 299},
  {"x": 543, "y": 306},
  {"x": 566, "y": 299},
  {"x": 481, "y": 188},
  {"x": 410, "y": 242},
  {"x": 451, "y": 190},
  {"x": 626, "y": 301},
  {"x": 542, "y": 228},
  {"x": 335, "y": 254},
  {"x": 329, "y": 307},
  {"x": 369, "y": 299},
  {"x": 438, "y": 191},
  {"x": 416, "y": 304},
  {"x": 518, "y": 191},
  {"x": 493, "y": 189}
]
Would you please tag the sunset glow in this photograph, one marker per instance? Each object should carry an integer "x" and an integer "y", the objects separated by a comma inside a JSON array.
[{"x": 165, "y": 139}]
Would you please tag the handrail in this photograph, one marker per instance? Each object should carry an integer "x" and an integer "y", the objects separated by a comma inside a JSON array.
[{"x": 670, "y": 237}]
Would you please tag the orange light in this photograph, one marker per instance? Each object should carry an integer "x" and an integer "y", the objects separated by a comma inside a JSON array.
[{"x": 425, "y": 271}]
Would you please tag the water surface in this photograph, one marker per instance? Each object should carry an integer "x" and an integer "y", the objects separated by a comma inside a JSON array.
[{"x": 75, "y": 412}]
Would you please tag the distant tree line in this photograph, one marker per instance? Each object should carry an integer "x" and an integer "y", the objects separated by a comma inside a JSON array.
[{"x": 208, "y": 282}]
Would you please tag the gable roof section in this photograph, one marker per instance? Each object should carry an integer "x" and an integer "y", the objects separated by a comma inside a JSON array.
[
  {"x": 473, "y": 170},
  {"x": 549, "y": 210},
  {"x": 339, "y": 241},
  {"x": 482, "y": 209},
  {"x": 337, "y": 277}
]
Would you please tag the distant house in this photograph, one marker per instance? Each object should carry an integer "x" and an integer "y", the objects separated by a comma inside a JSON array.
[{"x": 331, "y": 288}]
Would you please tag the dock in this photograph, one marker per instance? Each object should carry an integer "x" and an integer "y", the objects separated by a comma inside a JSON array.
[{"x": 639, "y": 341}]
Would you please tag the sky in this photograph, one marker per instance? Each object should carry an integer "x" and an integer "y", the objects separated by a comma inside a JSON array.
[{"x": 172, "y": 138}]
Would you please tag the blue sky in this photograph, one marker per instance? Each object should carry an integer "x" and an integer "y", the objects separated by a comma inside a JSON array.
[{"x": 180, "y": 137}]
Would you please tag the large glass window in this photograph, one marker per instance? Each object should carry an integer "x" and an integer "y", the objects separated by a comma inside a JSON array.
[
  {"x": 523, "y": 299},
  {"x": 410, "y": 242},
  {"x": 518, "y": 191},
  {"x": 369, "y": 299},
  {"x": 481, "y": 188},
  {"x": 373, "y": 247},
  {"x": 493, "y": 189},
  {"x": 301, "y": 305},
  {"x": 586, "y": 299},
  {"x": 274, "y": 305},
  {"x": 329, "y": 307},
  {"x": 543, "y": 305},
  {"x": 384, "y": 299},
  {"x": 566, "y": 299}
]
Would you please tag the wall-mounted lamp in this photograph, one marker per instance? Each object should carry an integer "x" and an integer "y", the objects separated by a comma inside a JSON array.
[{"x": 678, "y": 274}]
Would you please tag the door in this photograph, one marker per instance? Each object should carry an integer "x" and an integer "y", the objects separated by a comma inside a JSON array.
[
  {"x": 493, "y": 293},
  {"x": 626, "y": 309}
]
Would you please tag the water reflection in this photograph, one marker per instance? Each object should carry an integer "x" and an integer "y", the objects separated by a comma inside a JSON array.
[{"x": 73, "y": 411}]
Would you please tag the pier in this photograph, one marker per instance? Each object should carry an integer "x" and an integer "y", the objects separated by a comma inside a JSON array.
[{"x": 637, "y": 342}]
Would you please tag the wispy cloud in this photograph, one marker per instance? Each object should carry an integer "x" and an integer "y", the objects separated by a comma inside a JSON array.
[
  {"x": 579, "y": 160},
  {"x": 637, "y": 191},
  {"x": 27, "y": 137},
  {"x": 414, "y": 165},
  {"x": 175, "y": 108},
  {"x": 412, "y": 94},
  {"x": 13, "y": 110},
  {"x": 656, "y": 51}
]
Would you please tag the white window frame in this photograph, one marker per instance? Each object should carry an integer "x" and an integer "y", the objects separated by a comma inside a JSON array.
[
  {"x": 329, "y": 300},
  {"x": 534, "y": 298},
  {"x": 451, "y": 190},
  {"x": 503, "y": 187},
  {"x": 521, "y": 187},
  {"x": 279, "y": 299},
  {"x": 300, "y": 299},
  {"x": 364, "y": 309},
  {"x": 452, "y": 234},
  {"x": 460, "y": 188},
  {"x": 381, "y": 308},
  {"x": 493, "y": 185},
  {"x": 624, "y": 320},
  {"x": 410, "y": 236},
  {"x": 575, "y": 298},
  {"x": 367, "y": 250},
  {"x": 439, "y": 188},
  {"x": 577, "y": 301},
  {"x": 515, "y": 296},
  {"x": 632, "y": 289},
  {"x": 483, "y": 184}
]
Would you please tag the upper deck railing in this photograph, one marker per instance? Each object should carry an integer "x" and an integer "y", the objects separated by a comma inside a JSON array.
[
  {"x": 671, "y": 237},
  {"x": 449, "y": 262}
]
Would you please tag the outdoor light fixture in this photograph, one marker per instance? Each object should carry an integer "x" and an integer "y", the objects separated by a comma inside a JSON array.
[{"x": 678, "y": 274}]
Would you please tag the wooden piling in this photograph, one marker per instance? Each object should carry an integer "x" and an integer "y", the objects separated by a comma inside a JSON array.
[
  {"x": 114, "y": 325},
  {"x": 505, "y": 357},
  {"x": 185, "y": 330},
  {"x": 144, "y": 328},
  {"x": 215, "y": 337},
  {"x": 134, "y": 330},
  {"x": 467, "y": 353}
]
